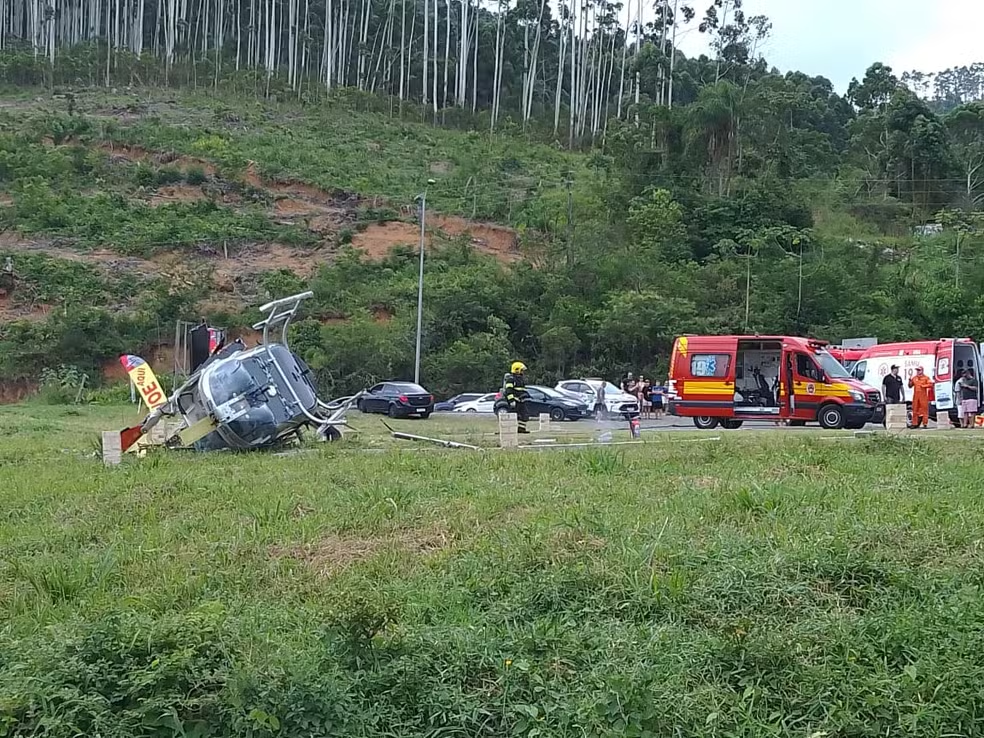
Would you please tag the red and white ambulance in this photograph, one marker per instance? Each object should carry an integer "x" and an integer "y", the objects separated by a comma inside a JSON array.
[
  {"x": 726, "y": 380},
  {"x": 943, "y": 360}
]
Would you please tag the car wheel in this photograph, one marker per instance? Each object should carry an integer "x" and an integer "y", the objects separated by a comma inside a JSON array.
[
  {"x": 705, "y": 422},
  {"x": 831, "y": 417},
  {"x": 501, "y": 411},
  {"x": 471, "y": 410},
  {"x": 360, "y": 406},
  {"x": 731, "y": 424},
  {"x": 393, "y": 412},
  {"x": 556, "y": 413}
]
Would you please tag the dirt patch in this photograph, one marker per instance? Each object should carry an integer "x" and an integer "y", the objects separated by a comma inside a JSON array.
[
  {"x": 268, "y": 257},
  {"x": 379, "y": 238},
  {"x": 334, "y": 554},
  {"x": 489, "y": 238},
  {"x": 16, "y": 390},
  {"x": 252, "y": 176},
  {"x": 177, "y": 193},
  {"x": 11, "y": 310},
  {"x": 288, "y": 207},
  {"x": 112, "y": 370},
  {"x": 382, "y": 314},
  {"x": 160, "y": 158}
]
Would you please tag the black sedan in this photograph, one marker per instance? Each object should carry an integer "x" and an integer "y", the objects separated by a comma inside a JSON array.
[
  {"x": 546, "y": 400},
  {"x": 398, "y": 400},
  {"x": 450, "y": 404}
]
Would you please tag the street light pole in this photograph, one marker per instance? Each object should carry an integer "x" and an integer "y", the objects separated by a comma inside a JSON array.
[{"x": 420, "y": 285}]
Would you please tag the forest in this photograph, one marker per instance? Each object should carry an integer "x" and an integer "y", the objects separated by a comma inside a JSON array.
[{"x": 652, "y": 193}]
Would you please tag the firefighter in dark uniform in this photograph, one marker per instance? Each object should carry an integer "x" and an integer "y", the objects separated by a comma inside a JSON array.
[{"x": 515, "y": 394}]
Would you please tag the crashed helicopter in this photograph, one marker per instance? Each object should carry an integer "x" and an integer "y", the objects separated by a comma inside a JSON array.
[{"x": 239, "y": 398}]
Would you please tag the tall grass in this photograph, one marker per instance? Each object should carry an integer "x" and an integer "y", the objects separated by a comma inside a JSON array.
[{"x": 767, "y": 585}]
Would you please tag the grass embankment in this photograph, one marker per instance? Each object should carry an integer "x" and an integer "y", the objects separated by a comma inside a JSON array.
[{"x": 752, "y": 587}]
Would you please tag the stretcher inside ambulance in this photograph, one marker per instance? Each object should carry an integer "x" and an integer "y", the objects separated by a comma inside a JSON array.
[{"x": 726, "y": 380}]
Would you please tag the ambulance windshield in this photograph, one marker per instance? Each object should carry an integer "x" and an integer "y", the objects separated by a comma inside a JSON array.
[{"x": 832, "y": 367}]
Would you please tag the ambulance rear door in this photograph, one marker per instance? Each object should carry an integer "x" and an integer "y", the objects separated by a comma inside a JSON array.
[{"x": 943, "y": 375}]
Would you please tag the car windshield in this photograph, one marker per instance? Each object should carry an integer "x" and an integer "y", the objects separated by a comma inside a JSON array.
[
  {"x": 611, "y": 389},
  {"x": 552, "y": 393},
  {"x": 831, "y": 367},
  {"x": 413, "y": 389}
]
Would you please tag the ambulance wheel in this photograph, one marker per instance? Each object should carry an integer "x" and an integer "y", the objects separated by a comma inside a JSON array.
[
  {"x": 705, "y": 422},
  {"x": 831, "y": 417},
  {"x": 731, "y": 424}
]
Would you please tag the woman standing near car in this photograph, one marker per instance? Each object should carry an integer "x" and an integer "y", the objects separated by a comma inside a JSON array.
[{"x": 642, "y": 396}]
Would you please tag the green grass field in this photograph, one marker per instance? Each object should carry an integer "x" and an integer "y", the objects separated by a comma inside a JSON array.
[{"x": 764, "y": 585}]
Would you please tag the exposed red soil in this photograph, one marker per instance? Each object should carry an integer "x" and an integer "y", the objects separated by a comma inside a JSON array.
[
  {"x": 489, "y": 238},
  {"x": 11, "y": 310},
  {"x": 16, "y": 390},
  {"x": 177, "y": 193},
  {"x": 378, "y": 239},
  {"x": 233, "y": 267},
  {"x": 381, "y": 314},
  {"x": 267, "y": 257}
]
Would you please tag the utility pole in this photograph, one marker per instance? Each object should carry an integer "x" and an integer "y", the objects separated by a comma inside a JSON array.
[{"x": 420, "y": 284}]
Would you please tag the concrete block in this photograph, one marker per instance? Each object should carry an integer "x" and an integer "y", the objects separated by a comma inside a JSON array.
[
  {"x": 112, "y": 448},
  {"x": 895, "y": 417},
  {"x": 544, "y": 422},
  {"x": 508, "y": 431}
]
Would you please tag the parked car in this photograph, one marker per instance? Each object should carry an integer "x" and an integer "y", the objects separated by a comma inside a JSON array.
[
  {"x": 557, "y": 405},
  {"x": 450, "y": 404},
  {"x": 482, "y": 404},
  {"x": 617, "y": 402},
  {"x": 398, "y": 400}
]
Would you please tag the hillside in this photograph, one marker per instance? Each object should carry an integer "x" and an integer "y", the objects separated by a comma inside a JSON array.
[
  {"x": 773, "y": 205},
  {"x": 127, "y": 201}
]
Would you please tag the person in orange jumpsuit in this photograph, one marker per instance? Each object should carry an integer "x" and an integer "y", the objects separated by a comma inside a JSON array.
[{"x": 921, "y": 384}]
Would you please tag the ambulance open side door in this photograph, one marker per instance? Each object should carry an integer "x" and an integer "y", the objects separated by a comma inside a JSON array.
[
  {"x": 943, "y": 375},
  {"x": 787, "y": 381}
]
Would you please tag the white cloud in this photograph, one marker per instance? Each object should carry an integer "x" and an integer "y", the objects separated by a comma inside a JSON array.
[
  {"x": 949, "y": 36},
  {"x": 840, "y": 39}
]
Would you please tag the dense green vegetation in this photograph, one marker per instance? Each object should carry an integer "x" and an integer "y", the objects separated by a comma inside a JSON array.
[
  {"x": 736, "y": 199},
  {"x": 756, "y": 588},
  {"x": 789, "y": 234}
]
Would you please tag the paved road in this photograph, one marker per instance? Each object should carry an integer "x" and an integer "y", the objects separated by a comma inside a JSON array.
[{"x": 667, "y": 423}]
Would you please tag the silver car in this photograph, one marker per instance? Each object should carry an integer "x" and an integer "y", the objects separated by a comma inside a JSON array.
[{"x": 616, "y": 402}]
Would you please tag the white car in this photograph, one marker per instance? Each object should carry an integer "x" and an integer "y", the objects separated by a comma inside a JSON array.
[
  {"x": 617, "y": 402},
  {"x": 484, "y": 404}
]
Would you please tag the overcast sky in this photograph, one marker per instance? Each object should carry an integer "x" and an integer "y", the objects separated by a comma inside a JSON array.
[{"x": 840, "y": 39}]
